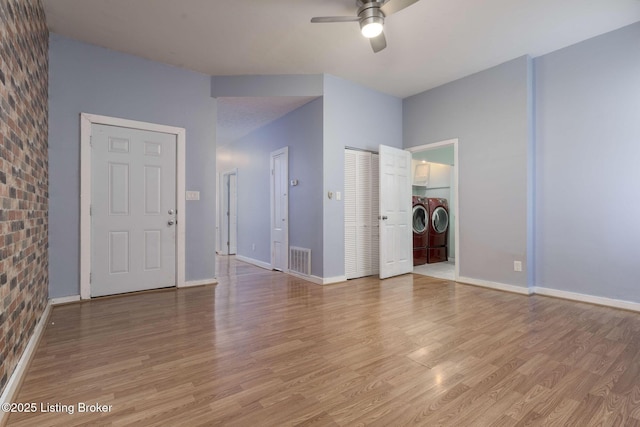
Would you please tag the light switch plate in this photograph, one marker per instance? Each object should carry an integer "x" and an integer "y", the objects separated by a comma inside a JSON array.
[
  {"x": 517, "y": 265},
  {"x": 192, "y": 195}
]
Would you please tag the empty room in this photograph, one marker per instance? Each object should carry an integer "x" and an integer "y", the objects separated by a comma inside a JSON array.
[{"x": 310, "y": 212}]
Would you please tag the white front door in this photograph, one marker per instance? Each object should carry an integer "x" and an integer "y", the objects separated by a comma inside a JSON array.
[
  {"x": 279, "y": 209},
  {"x": 133, "y": 210},
  {"x": 396, "y": 245}
]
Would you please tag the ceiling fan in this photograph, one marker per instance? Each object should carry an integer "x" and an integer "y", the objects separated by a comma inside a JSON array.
[{"x": 370, "y": 15}]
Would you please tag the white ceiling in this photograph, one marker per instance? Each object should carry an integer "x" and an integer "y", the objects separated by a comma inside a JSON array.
[{"x": 430, "y": 43}]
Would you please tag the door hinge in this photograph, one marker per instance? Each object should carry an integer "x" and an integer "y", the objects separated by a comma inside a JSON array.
[
  {"x": 90, "y": 277},
  {"x": 91, "y": 140},
  {"x": 272, "y": 173},
  {"x": 90, "y": 210}
]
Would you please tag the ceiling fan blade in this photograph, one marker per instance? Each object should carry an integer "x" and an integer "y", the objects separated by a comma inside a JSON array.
[
  {"x": 326, "y": 19},
  {"x": 393, "y": 6},
  {"x": 378, "y": 43}
]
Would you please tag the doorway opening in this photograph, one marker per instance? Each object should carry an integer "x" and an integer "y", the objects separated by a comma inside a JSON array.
[{"x": 435, "y": 206}]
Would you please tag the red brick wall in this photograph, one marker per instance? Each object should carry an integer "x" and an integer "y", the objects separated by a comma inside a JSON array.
[{"x": 24, "y": 181}]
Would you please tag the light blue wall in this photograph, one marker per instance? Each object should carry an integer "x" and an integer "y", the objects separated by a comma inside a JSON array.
[
  {"x": 489, "y": 113},
  {"x": 90, "y": 79},
  {"x": 265, "y": 86},
  {"x": 301, "y": 131},
  {"x": 354, "y": 116},
  {"x": 587, "y": 159}
]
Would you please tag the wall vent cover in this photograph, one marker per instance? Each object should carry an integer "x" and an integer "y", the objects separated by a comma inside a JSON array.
[{"x": 300, "y": 260}]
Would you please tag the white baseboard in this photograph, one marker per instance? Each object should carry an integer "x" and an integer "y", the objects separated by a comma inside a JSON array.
[
  {"x": 313, "y": 279},
  {"x": 591, "y": 299},
  {"x": 332, "y": 280},
  {"x": 255, "y": 262},
  {"x": 11, "y": 389},
  {"x": 191, "y": 283},
  {"x": 64, "y": 300},
  {"x": 319, "y": 280},
  {"x": 495, "y": 285}
]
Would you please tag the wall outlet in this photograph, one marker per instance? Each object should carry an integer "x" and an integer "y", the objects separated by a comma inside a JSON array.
[
  {"x": 517, "y": 265},
  {"x": 338, "y": 195}
]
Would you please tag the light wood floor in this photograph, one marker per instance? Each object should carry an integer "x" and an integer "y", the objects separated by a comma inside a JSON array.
[{"x": 265, "y": 349}]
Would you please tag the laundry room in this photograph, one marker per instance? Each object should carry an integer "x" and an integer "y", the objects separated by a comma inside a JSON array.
[{"x": 433, "y": 204}]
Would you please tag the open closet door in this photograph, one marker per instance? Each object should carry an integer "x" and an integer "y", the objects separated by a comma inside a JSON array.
[{"x": 395, "y": 212}]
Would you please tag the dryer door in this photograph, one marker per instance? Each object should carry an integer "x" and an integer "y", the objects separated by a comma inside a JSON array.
[
  {"x": 419, "y": 219},
  {"x": 440, "y": 220}
]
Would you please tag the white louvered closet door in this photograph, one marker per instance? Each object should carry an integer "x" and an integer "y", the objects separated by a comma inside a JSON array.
[
  {"x": 350, "y": 252},
  {"x": 375, "y": 209},
  {"x": 360, "y": 212}
]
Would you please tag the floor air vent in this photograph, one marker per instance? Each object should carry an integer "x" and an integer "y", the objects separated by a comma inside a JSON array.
[{"x": 300, "y": 260}]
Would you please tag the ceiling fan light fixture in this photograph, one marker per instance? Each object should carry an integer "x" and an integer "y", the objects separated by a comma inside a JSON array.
[{"x": 371, "y": 26}]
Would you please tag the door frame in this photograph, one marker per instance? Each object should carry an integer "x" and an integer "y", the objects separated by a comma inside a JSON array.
[
  {"x": 456, "y": 191},
  {"x": 222, "y": 215},
  {"x": 282, "y": 151},
  {"x": 86, "y": 122}
]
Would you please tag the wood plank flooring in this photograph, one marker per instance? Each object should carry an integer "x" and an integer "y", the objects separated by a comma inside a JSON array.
[{"x": 265, "y": 349}]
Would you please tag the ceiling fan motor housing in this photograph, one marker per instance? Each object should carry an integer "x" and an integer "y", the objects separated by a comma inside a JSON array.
[{"x": 370, "y": 13}]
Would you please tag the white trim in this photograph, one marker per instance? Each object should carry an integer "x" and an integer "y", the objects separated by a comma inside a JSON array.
[
  {"x": 332, "y": 280},
  {"x": 203, "y": 282},
  {"x": 495, "y": 285},
  {"x": 86, "y": 121},
  {"x": 64, "y": 300},
  {"x": 591, "y": 299},
  {"x": 15, "y": 380},
  {"x": 319, "y": 280},
  {"x": 255, "y": 262},
  {"x": 456, "y": 191}
]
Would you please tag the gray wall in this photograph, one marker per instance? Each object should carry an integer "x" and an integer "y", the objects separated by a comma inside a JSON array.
[
  {"x": 301, "y": 131},
  {"x": 588, "y": 157},
  {"x": 90, "y": 79},
  {"x": 354, "y": 116},
  {"x": 489, "y": 113}
]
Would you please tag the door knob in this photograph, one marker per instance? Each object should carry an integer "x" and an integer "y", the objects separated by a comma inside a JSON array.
[
  {"x": 171, "y": 221},
  {"x": 171, "y": 211},
  {"x": 383, "y": 217}
]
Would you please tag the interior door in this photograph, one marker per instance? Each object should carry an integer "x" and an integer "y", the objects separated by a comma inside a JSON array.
[
  {"x": 395, "y": 212},
  {"x": 133, "y": 210},
  {"x": 228, "y": 232},
  {"x": 279, "y": 209},
  {"x": 375, "y": 208},
  {"x": 358, "y": 203},
  {"x": 233, "y": 214}
]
